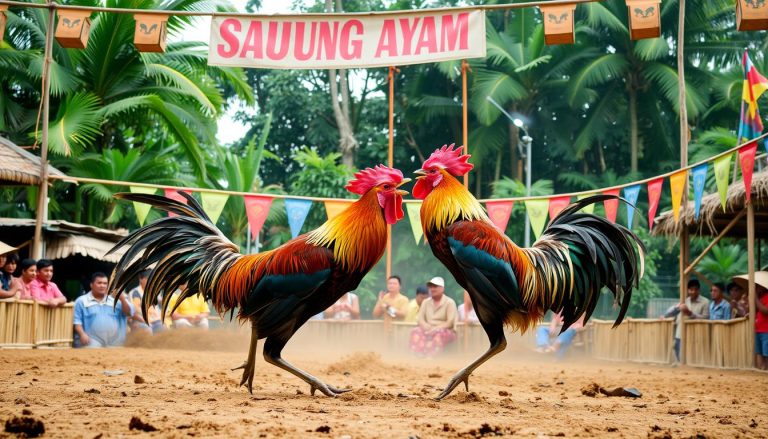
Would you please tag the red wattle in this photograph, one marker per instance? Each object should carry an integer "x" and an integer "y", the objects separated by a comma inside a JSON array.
[
  {"x": 393, "y": 210},
  {"x": 421, "y": 189}
]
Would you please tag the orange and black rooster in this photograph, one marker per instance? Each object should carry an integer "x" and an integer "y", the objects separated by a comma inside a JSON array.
[
  {"x": 564, "y": 271},
  {"x": 277, "y": 290}
]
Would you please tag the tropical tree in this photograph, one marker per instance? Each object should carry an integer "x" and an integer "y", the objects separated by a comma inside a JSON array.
[{"x": 723, "y": 262}]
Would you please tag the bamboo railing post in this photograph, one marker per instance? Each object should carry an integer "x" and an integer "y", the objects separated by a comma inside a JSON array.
[
  {"x": 751, "y": 275},
  {"x": 684, "y": 251},
  {"x": 391, "y": 155},
  {"x": 465, "y": 133}
]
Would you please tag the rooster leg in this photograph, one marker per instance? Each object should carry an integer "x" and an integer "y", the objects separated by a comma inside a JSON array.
[
  {"x": 249, "y": 367},
  {"x": 498, "y": 344},
  {"x": 273, "y": 347}
]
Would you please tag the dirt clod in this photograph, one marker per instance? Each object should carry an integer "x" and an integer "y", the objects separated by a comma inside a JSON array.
[
  {"x": 94, "y": 391},
  {"x": 138, "y": 379},
  {"x": 590, "y": 390},
  {"x": 323, "y": 429},
  {"x": 26, "y": 426},
  {"x": 138, "y": 424}
]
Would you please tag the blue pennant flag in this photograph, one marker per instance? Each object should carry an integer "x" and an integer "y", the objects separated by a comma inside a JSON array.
[
  {"x": 630, "y": 194},
  {"x": 699, "y": 178},
  {"x": 297, "y": 213}
]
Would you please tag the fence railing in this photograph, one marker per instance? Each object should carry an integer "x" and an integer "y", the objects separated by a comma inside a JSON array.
[{"x": 27, "y": 324}]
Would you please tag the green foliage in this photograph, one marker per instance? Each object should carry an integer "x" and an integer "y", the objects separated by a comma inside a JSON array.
[{"x": 723, "y": 262}]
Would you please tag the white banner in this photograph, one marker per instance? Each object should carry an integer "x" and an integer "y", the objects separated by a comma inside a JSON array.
[{"x": 346, "y": 40}]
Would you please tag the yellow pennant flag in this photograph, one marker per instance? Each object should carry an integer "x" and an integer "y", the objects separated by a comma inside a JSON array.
[
  {"x": 722, "y": 167},
  {"x": 587, "y": 209},
  {"x": 537, "y": 212},
  {"x": 677, "y": 186},
  {"x": 141, "y": 209},
  {"x": 213, "y": 204},
  {"x": 414, "y": 217},
  {"x": 333, "y": 208}
]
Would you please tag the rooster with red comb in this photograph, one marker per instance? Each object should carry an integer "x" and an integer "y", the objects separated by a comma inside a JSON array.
[
  {"x": 577, "y": 255},
  {"x": 276, "y": 290}
]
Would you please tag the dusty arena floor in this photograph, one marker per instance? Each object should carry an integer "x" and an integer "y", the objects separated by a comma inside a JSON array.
[{"x": 191, "y": 393}]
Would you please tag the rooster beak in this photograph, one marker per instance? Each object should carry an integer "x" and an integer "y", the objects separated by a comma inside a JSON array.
[
  {"x": 420, "y": 172},
  {"x": 405, "y": 180},
  {"x": 401, "y": 192}
]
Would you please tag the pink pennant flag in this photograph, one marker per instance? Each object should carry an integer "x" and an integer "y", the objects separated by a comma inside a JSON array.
[
  {"x": 499, "y": 212},
  {"x": 611, "y": 206},
  {"x": 747, "y": 159},
  {"x": 654, "y": 193},
  {"x": 257, "y": 209},
  {"x": 174, "y": 195},
  {"x": 557, "y": 204}
]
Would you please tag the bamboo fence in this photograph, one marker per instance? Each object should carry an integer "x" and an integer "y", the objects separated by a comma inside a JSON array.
[{"x": 27, "y": 324}]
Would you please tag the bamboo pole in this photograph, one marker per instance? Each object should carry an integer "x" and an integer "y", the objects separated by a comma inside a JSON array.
[
  {"x": 391, "y": 155},
  {"x": 684, "y": 239},
  {"x": 751, "y": 275},
  {"x": 465, "y": 134}
]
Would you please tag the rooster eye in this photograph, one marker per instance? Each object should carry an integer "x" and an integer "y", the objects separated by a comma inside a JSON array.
[{"x": 387, "y": 187}]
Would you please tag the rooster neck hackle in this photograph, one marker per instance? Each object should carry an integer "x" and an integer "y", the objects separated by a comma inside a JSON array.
[
  {"x": 449, "y": 202},
  {"x": 357, "y": 236}
]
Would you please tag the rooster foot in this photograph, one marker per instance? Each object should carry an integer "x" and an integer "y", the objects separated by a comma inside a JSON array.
[
  {"x": 455, "y": 381},
  {"x": 248, "y": 372},
  {"x": 327, "y": 389}
]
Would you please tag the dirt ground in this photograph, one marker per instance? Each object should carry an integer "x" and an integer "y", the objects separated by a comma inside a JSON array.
[{"x": 186, "y": 393}]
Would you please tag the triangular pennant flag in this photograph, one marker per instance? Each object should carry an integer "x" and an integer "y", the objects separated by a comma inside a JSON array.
[
  {"x": 557, "y": 204},
  {"x": 257, "y": 210},
  {"x": 537, "y": 213},
  {"x": 414, "y": 217},
  {"x": 173, "y": 194},
  {"x": 590, "y": 208},
  {"x": 213, "y": 204},
  {"x": 611, "y": 206},
  {"x": 654, "y": 193},
  {"x": 631, "y": 194},
  {"x": 747, "y": 159},
  {"x": 499, "y": 212},
  {"x": 677, "y": 186},
  {"x": 335, "y": 207},
  {"x": 142, "y": 209},
  {"x": 722, "y": 171},
  {"x": 699, "y": 176},
  {"x": 297, "y": 211}
]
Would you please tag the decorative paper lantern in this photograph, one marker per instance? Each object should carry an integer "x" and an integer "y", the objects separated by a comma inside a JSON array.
[
  {"x": 73, "y": 28},
  {"x": 150, "y": 32},
  {"x": 3, "y": 19},
  {"x": 644, "y": 18},
  {"x": 558, "y": 23},
  {"x": 751, "y": 15}
]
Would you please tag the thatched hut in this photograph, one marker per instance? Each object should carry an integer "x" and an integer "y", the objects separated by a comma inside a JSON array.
[{"x": 19, "y": 167}]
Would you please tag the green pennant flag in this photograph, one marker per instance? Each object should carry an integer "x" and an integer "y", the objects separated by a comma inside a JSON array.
[
  {"x": 142, "y": 209},
  {"x": 722, "y": 167},
  {"x": 537, "y": 212},
  {"x": 587, "y": 209},
  {"x": 213, "y": 204},
  {"x": 415, "y": 218}
]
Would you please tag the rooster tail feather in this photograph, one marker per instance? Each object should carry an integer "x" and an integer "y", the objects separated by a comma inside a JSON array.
[{"x": 186, "y": 248}]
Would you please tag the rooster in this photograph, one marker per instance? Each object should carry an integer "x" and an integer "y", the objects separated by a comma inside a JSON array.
[
  {"x": 276, "y": 290},
  {"x": 564, "y": 271}
]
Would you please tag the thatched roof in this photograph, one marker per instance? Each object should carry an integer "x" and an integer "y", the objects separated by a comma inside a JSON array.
[
  {"x": 20, "y": 167},
  {"x": 712, "y": 218}
]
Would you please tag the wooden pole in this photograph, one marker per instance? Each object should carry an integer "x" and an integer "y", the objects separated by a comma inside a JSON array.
[
  {"x": 751, "y": 275},
  {"x": 684, "y": 241},
  {"x": 465, "y": 133},
  {"x": 42, "y": 193},
  {"x": 391, "y": 155}
]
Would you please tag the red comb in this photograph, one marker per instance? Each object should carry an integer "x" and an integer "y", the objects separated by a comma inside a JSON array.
[
  {"x": 450, "y": 159},
  {"x": 370, "y": 177}
]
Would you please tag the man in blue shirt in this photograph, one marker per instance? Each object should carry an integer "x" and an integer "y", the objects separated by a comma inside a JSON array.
[
  {"x": 719, "y": 308},
  {"x": 98, "y": 323}
]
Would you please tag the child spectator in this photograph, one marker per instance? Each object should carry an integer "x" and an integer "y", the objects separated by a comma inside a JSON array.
[
  {"x": 10, "y": 287},
  {"x": 98, "y": 322},
  {"x": 192, "y": 312},
  {"x": 719, "y": 308},
  {"x": 42, "y": 289},
  {"x": 28, "y": 275}
]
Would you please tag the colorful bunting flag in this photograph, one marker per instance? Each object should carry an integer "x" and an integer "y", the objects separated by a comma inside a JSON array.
[
  {"x": 415, "y": 218},
  {"x": 335, "y": 207},
  {"x": 677, "y": 186},
  {"x": 589, "y": 208},
  {"x": 257, "y": 209},
  {"x": 654, "y": 194},
  {"x": 173, "y": 194},
  {"x": 755, "y": 84},
  {"x": 612, "y": 205},
  {"x": 747, "y": 159},
  {"x": 722, "y": 169},
  {"x": 631, "y": 194},
  {"x": 142, "y": 209},
  {"x": 537, "y": 213},
  {"x": 297, "y": 211},
  {"x": 213, "y": 204},
  {"x": 557, "y": 204},
  {"x": 699, "y": 175},
  {"x": 499, "y": 212}
]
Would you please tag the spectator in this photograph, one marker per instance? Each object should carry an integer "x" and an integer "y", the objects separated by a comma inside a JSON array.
[
  {"x": 43, "y": 289},
  {"x": 10, "y": 287},
  {"x": 98, "y": 322},
  {"x": 467, "y": 312},
  {"x": 761, "y": 318},
  {"x": 550, "y": 339},
  {"x": 192, "y": 312},
  {"x": 437, "y": 319},
  {"x": 738, "y": 300},
  {"x": 412, "y": 316},
  {"x": 694, "y": 307},
  {"x": 153, "y": 311},
  {"x": 346, "y": 308},
  {"x": 392, "y": 304},
  {"x": 28, "y": 275},
  {"x": 719, "y": 308}
]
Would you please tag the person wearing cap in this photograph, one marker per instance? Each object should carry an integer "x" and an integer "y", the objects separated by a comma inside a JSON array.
[
  {"x": 392, "y": 304},
  {"x": 415, "y": 304},
  {"x": 43, "y": 290},
  {"x": 761, "y": 316},
  {"x": 436, "y": 321},
  {"x": 10, "y": 286}
]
